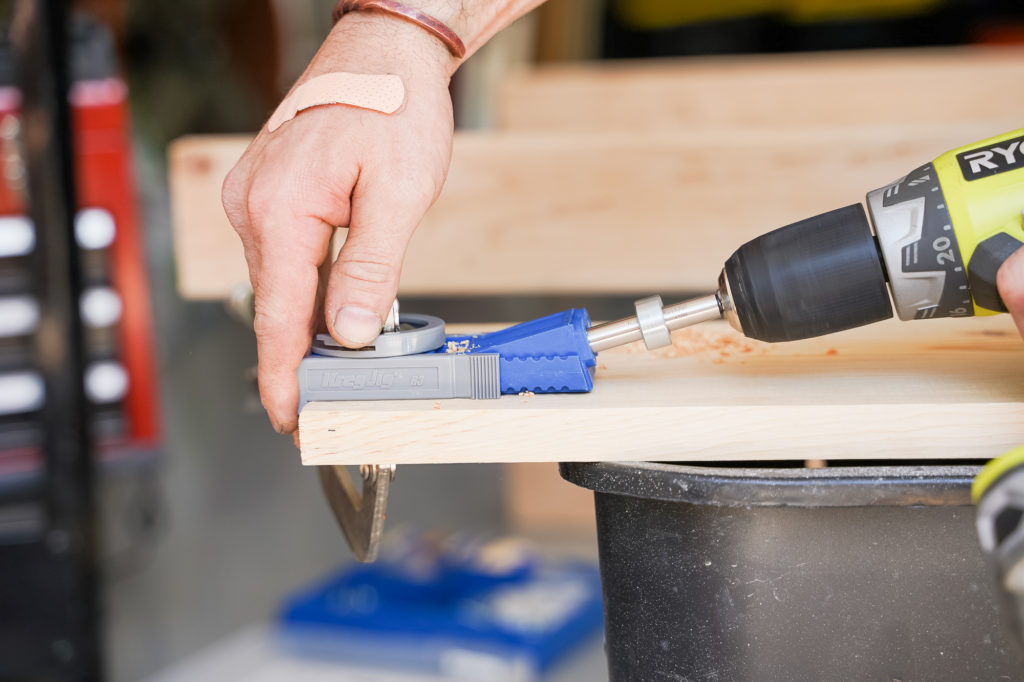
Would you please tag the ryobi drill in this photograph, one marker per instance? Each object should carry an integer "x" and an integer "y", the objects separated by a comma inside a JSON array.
[{"x": 937, "y": 236}]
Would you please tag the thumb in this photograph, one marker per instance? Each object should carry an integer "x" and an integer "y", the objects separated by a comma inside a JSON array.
[
  {"x": 364, "y": 280},
  {"x": 1010, "y": 281}
]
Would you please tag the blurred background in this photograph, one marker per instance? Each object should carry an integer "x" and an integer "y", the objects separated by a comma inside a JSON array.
[{"x": 207, "y": 521}]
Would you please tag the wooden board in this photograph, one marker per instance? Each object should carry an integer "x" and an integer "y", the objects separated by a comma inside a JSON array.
[
  {"x": 931, "y": 86},
  {"x": 931, "y": 389},
  {"x": 593, "y": 213}
]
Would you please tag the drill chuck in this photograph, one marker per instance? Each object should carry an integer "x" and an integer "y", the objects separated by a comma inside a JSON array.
[{"x": 814, "y": 277}]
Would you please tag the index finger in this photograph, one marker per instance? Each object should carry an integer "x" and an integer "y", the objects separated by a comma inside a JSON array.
[{"x": 285, "y": 281}]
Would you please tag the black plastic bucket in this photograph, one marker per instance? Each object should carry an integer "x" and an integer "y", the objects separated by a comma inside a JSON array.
[{"x": 843, "y": 573}]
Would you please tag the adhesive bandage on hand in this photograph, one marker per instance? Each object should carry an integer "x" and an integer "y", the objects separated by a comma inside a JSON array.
[{"x": 383, "y": 93}]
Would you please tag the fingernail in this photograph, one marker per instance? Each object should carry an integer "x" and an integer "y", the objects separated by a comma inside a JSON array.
[
  {"x": 357, "y": 326},
  {"x": 281, "y": 427}
]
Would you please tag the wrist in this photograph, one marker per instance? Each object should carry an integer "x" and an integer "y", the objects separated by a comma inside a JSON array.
[{"x": 375, "y": 42}]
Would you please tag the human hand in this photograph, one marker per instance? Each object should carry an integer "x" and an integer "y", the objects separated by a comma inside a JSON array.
[
  {"x": 339, "y": 166},
  {"x": 1010, "y": 281}
]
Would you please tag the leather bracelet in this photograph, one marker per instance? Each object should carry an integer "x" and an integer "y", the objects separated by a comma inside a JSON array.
[{"x": 397, "y": 9}]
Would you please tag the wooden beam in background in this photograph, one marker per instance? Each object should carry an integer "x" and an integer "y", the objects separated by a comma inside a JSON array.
[
  {"x": 623, "y": 212},
  {"x": 769, "y": 92}
]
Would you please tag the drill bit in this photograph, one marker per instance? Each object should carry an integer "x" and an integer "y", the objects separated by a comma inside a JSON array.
[{"x": 653, "y": 322}]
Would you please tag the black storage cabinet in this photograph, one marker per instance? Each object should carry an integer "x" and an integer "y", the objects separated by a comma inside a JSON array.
[{"x": 843, "y": 573}]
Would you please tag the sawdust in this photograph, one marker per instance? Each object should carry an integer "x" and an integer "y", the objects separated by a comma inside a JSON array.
[
  {"x": 831, "y": 351},
  {"x": 703, "y": 344},
  {"x": 526, "y": 394},
  {"x": 457, "y": 347}
]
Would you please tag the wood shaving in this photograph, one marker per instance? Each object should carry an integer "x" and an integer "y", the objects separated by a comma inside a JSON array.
[
  {"x": 831, "y": 351},
  {"x": 526, "y": 394},
  {"x": 703, "y": 343}
]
